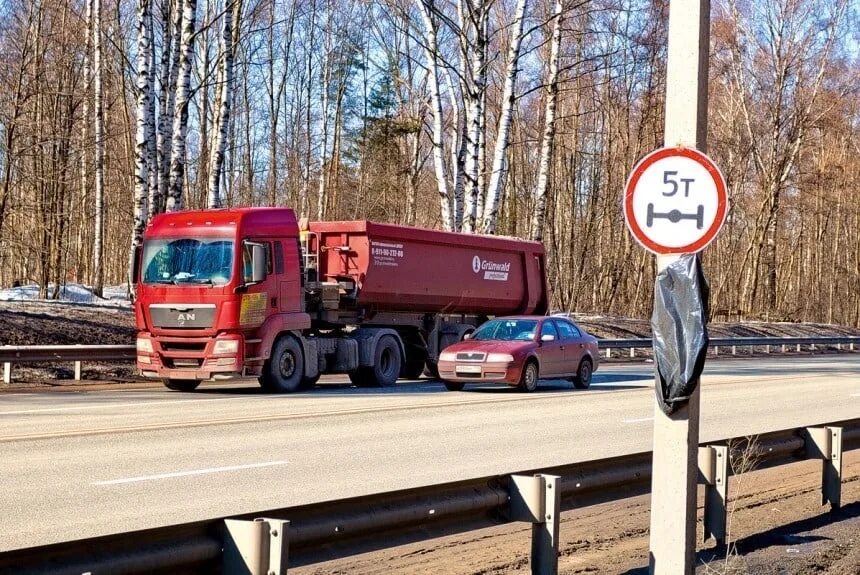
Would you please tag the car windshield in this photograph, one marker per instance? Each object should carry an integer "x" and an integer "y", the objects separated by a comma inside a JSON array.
[
  {"x": 188, "y": 261},
  {"x": 506, "y": 330}
]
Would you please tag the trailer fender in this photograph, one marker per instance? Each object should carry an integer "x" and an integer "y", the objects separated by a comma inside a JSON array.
[{"x": 368, "y": 338}]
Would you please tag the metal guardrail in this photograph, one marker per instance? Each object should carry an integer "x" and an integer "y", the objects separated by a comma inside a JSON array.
[
  {"x": 331, "y": 529},
  {"x": 12, "y": 354}
]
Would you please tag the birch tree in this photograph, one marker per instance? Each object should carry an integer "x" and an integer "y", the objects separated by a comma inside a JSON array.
[
  {"x": 491, "y": 206},
  {"x": 183, "y": 96},
  {"x": 548, "y": 136},
  {"x": 431, "y": 51},
  {"x": 98, "y": 243},
  {"x": 229, "y": 40},
  {"x": 143, "y": 160}
]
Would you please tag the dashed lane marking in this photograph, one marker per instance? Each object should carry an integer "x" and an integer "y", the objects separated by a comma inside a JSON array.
[{"x": 206, "y": 471}]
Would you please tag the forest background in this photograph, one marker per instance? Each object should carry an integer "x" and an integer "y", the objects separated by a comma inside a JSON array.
[{"x": 515, "y": 117}]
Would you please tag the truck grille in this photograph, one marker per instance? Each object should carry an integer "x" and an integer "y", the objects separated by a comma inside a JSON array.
[
  {"x": 471, "y": 356},
  {"x": 198, "y": 347},
  {"x": 182, "y": 316}
]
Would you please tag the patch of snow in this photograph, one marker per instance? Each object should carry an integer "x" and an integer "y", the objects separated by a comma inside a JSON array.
[{"x": 70, "y": 293}]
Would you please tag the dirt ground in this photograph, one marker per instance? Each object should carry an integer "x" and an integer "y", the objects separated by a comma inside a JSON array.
[{"x": 776, "y": 524}]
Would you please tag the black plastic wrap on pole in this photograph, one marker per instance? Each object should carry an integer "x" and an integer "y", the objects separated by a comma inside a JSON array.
[{"x": 679, "y": 329}]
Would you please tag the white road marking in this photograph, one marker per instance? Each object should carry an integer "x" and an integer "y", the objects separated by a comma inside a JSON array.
[
  {"x": 637, "y": 420},
  {"x": 187, "y": 473},
  {"x": 855, "y": 395},
  {"x": 112, "y": 405}
]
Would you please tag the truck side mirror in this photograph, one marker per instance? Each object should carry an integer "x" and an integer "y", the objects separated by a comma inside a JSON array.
[
  {"x": 258, "y": 263},
  {"x": 255, "y": 269}
]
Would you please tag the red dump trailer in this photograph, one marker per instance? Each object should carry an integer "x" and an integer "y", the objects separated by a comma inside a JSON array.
[{"x": 225, "y": 293}]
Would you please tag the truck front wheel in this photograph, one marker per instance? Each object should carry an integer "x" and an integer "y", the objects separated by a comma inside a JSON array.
[
  {"x": 284, "y": 371},
  {"x": 181, "y": 384},
  {"x": 385, "y": 368}
]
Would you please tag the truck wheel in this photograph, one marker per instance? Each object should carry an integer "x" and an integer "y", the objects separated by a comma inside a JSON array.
[
  {"x": 181, "y": 384},
  {"x": 284, "y": 371},
  {"x": 385, "y": 368},
  {"x": 310, "y": 382},
  {"x": 529, "y": 378},
  {"x": 583, "y": 374}
]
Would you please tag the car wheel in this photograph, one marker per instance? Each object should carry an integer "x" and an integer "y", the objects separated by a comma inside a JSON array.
[
  {"x": 529, "y": 378},
  {"x": 583, "y": 374},
  {"x": 181, "y": 384},
  {"x": 454, "y": 385},
  {"x": 284, "y": 371}
]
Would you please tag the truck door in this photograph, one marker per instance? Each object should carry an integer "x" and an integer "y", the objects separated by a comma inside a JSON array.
[{"x": 551, "y": 350}]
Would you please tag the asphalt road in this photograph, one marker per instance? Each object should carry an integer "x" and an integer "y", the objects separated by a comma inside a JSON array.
[{"x": 83, "y": 464}]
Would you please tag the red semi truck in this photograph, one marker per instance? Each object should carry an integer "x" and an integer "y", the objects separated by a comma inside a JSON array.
[{"x": 226, "y": 293}]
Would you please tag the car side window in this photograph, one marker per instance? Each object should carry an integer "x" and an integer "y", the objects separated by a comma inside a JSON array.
[
  {"x": 567, "y": 330},
  {"x": 548, "y": 329}
]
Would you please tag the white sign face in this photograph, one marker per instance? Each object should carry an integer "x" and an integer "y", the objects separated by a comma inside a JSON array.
[{"x": 675, "y": 201}]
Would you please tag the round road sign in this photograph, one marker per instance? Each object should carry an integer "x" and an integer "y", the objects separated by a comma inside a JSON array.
[{"x": 675, "y": 201}]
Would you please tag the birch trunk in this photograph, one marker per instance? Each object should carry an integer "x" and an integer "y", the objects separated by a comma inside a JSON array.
[
  {"x": 473, "y": 91},
  {"x": 549, "y": 125},
  {"x": 171, "y": 21},
  {"x": 431, "y": 50},
  {"x": 98, "y": 241},
  {"x": 142, "y": 151},
  {"x": 491, "y": 207},
  {"x": 183, "y": 93},
  {"x": 229, "y": 39},
  {"x": 321, "y": 205}
]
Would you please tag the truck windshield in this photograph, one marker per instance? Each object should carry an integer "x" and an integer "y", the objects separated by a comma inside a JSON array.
[
  {"x": 506, "y": 330},
  {"x": 188, "y": 261}
]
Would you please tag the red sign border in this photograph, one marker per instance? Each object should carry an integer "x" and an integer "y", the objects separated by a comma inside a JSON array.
[{"x": 722, "y": 200}]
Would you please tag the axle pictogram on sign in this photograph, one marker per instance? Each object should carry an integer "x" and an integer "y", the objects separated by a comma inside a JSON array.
[{"x": 676, "y": 216}]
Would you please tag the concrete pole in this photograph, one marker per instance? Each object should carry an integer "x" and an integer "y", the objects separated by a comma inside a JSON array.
[{"x": 676, "y": 437}]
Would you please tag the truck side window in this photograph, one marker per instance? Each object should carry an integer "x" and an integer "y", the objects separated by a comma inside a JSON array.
[
  {"x": 268, "y": 248},
  {"x": 279, "y": 257}
]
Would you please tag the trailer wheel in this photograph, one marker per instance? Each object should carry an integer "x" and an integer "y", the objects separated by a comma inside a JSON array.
[
  {"x": 284, "y": 371},
  {"x": 181, "y": 384}
]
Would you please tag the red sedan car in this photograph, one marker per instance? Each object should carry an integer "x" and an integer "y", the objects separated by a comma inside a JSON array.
[{"x": 519, "y": 351}]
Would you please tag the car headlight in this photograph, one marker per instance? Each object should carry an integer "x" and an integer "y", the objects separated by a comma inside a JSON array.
[
  {"x": 226, "y": 346},
  {"x": 447, "y": 356},
  {"x": 144, "y": 345},
  {"x": 500, "y": 358}
]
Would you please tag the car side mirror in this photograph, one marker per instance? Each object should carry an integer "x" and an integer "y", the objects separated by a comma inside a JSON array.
[{"x": 547, "y": 337}]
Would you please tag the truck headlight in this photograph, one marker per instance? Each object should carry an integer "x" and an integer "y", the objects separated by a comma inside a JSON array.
[
  {"x": 500, "y": 358},
  {"x": 226, "y": 346},
  {"x": 447, "y": 356},
  {"x": 144, "y": 345}
]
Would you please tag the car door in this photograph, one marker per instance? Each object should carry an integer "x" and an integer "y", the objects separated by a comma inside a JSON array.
[
  {"x": 573, "y": 344},
  {"x": 550, "y": 351}
]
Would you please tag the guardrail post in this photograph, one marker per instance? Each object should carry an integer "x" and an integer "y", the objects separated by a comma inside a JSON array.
[
  {"x": 632, "y": 352},
  {"x": 825, "y": 443},
  {"x": 258, "y": 547},
  {"x": 77, "y": 370},
  {"x": 716, "y": 350},
  {"x": 714, "y": 468},
  {"x": 7, "y": 373},
  {"x": 608, "y": 353},
  {"x": 783, "y": 348},
  {"x": 734, "y": 350},
  {"x": 851, "y": 346},
  {"x": 798, "y": 348},
  {"x": 767, "y": 349},
  {"x": 811, "y": 347},
  {"x": 537, "y": 500}
]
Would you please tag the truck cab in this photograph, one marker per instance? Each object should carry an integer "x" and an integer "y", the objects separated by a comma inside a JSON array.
[{"x": 211, "y": 286}]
